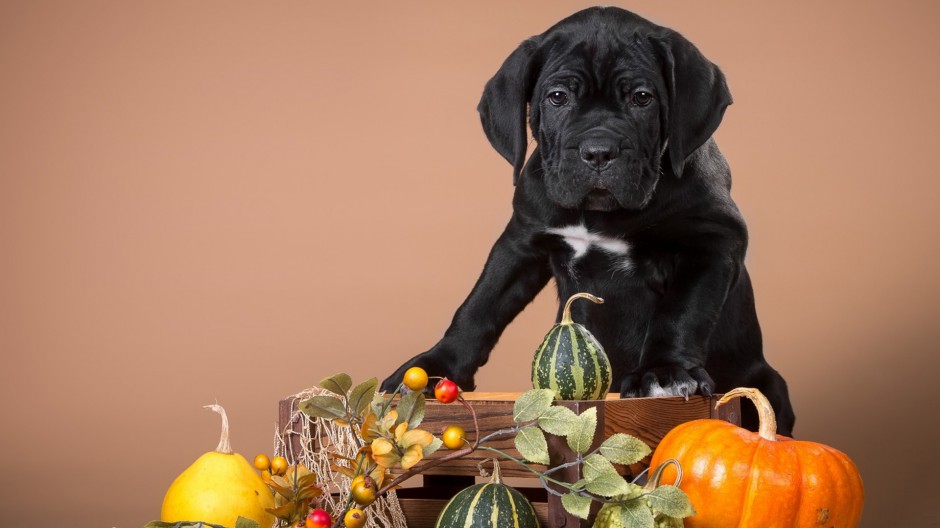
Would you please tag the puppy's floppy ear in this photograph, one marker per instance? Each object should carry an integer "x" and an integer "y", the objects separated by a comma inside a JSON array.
[
  {"x": 503, "y": 106},
  {"x": 698, "y": 97}
]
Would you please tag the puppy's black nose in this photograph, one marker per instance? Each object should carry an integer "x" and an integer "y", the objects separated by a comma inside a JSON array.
[{"x": 599, "y": 152}]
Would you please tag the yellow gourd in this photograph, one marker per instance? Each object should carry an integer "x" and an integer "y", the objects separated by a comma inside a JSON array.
[{"x": 218, "y": 488}]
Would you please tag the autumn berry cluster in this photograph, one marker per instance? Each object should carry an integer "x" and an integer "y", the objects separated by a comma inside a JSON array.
[{"x": 388, "y": 434}]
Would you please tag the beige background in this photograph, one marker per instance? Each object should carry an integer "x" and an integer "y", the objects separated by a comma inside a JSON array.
[{"x": 231, "y": 200}]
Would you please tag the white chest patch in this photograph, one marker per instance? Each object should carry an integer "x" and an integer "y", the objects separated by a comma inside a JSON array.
[{"x": 581, "y": 241}]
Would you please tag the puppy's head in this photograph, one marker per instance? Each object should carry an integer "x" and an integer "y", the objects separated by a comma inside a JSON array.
[{"x": 609, "y": 96}]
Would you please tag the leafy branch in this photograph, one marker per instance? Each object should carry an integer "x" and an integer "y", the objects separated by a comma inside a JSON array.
[
  {"x": 635, "y": 506},
  {"x": 392, "y": 438}
]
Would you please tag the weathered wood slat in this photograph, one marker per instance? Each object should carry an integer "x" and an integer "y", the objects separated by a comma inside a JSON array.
[{"x": 492, "y": 416}]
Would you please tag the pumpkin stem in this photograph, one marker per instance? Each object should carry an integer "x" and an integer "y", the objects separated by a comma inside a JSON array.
[
  {"x": 656, "y": 477},
  {"x": 566, "y": 314},
  {"x": 765, "y": 412},
  {"x": 224, "y": 446}
]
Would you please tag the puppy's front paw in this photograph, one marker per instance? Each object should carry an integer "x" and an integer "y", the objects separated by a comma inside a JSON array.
[
  {"x": 435, "y": 366},
  {"x": 667, "y": 381}
]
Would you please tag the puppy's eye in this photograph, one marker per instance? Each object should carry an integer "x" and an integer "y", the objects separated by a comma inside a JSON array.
[
  {"x": 558, "y": 98},
  {"x": 641, "y": 98}
]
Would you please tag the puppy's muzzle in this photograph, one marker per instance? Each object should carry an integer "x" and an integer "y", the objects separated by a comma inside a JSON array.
[{"x": 598, "y": 153}]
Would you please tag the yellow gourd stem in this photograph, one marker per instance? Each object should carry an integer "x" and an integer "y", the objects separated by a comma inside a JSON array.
[
  {"x": 224, "y": 446},
  {"x": 566, "y": 314},
  {"x": 765, "y": 412}
]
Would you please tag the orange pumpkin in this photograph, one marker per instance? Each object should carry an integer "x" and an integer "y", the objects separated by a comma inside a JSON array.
[{"x": 735, "y": 477}]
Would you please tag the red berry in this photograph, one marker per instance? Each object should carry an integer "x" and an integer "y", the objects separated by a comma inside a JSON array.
[
  {"x": 319, "y": 519},
  {"x": 446, "y": 391}
]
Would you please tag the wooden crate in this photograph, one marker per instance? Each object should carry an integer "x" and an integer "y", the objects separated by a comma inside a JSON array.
[{"x": 648, "y": 419}]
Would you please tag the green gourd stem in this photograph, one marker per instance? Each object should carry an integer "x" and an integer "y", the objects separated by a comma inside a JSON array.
[
  {"x": 566, "y": 314},
  {"x": 497, "y": 477},
  {"x": 525, "y": 466},
  {"x": 765, "y": 412},
  {"x": 224, "y": 447},
  {"x": 544, "y": 476}
]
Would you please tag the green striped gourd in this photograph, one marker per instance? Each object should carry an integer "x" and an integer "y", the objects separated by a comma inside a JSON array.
[
  {"x": 570, "y": 361},
  {"x": 490, "y": 505}
]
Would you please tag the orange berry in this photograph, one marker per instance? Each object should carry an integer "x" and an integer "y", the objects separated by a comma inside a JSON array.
[
  {"x": 355, "y": 518},
  {"x": 454, "y": 437},
  {"x": 278, "y": 465},
  {"x": 416, "y": 378},
  {"x": 363, "y": 491},
  {"x": 262, "y": 462}
]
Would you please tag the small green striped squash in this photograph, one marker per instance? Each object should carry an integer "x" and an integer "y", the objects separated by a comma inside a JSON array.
[
  {"x": 570, "y": 361},
  {"x": 490, "y": 505}
]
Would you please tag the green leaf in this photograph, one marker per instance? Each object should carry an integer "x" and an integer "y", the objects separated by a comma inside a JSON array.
[
  {"x": 671, "y": 501},
  {"x": 432, "y": 447},
  {"x": 242, "y": 522},
  {"x": 323, "y": 407},
  {"x": 411, "y": 409},
  {"x": 624, "y": 449},
  {"x": 558, "y": 420},
  {"x": 608, "y": 485},
  {"x": 636, "y": 514},
  {"x": 337, "y": 384},
  {"x": 582, "y": 436},
  {"x": 378, "y": 402},
  {"x": 532, "y": 404},
  {"x": 360, "y": 397},
  {"x": 531, "y": 444},
  {"x": 577, "y": 505},
  {"x": 596, "y": 465}
]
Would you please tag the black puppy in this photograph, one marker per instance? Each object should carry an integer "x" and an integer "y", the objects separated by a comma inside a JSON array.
[{"x": 626, "y": 196}]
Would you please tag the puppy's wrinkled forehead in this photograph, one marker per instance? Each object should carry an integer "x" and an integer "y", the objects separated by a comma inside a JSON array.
[{"x": 597, "y": 59}]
